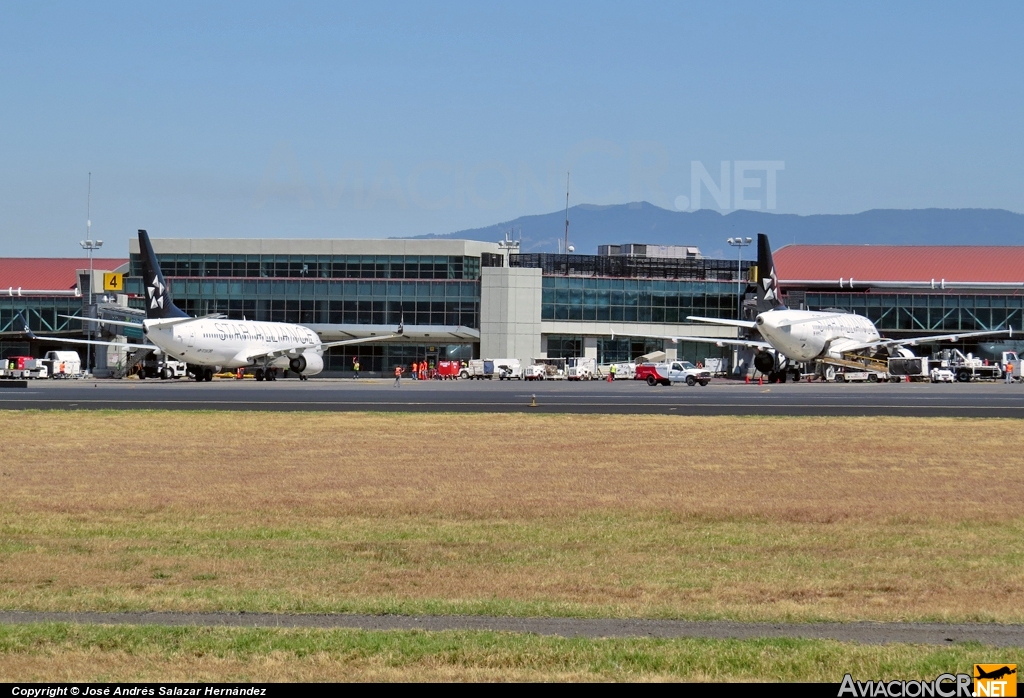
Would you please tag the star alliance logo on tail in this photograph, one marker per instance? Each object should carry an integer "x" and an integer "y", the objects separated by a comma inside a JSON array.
[
  {"x": 771, "y": 284},
  {"x": 156, "y": 293}
]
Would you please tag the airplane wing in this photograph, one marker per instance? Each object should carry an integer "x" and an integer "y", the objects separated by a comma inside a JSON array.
[
  {"x": 165, "y": 322},
  {"x": 951, "y": 337},
  {"x": 299, "y": 348},
  {"x": 722, "y": 341},
  {"x": 343, "y": 342},
  {"x": 98, "y": 321},
  {"x": 723, "y": 321},
  {"x": 718, "y": 341},
  {"x": 63, "y": 340},
  {"x": 32, "y": 335}
]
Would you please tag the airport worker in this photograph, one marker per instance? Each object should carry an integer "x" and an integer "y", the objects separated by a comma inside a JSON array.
[
  {"x": 1008, "y": 373},
  {"x": 414, "y": 368},
  {"x": 355, "y": 367},
  {"x": 398, "y": 376},
  {"x": 611, "y": 373}
]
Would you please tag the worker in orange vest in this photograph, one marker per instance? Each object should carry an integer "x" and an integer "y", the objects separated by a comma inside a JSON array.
[
  {"x": 398, "y": 376},
  {"x": 414, "y": 375}
]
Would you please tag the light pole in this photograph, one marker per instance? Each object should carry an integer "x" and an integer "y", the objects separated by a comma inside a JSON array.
[
  {"x": 89, "y": 246},
  {"x": 739, "y": 244}
]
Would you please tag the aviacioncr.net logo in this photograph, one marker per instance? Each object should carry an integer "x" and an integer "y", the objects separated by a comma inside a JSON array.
[{"x": 943, "y": 686}]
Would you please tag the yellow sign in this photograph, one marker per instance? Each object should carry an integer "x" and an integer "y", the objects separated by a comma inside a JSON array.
[
  {"x": 995, "y": 680},
  {"x": 113, "y": 282}
]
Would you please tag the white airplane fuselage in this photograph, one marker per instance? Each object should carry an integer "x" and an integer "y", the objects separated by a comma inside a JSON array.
[
  {"x": 805, "y": 335},
  {"x": 231, "y": 343}
]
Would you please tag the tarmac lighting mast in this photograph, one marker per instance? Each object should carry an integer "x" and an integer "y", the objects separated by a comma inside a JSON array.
[
  {"x": 739, "y": 243},
  {"x": 89, "y": 245}
]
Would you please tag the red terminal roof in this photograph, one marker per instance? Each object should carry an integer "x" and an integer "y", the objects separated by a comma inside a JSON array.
[
  {"x": 899, "y": 263},
  {"x": 48, "y": 274}
]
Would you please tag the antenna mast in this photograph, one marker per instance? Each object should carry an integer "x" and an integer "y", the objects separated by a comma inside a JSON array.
[{"x": 565, "y": 248}]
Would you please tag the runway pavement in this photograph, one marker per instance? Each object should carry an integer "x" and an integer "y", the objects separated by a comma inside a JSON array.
[
  {"x": 862, "y": 632},
  {"x": 622, "y": 397}
]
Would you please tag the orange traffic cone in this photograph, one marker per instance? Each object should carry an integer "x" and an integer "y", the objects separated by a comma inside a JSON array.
[
  {"x": 760, "y": 380},
  {"x": 747, "y": 378}
]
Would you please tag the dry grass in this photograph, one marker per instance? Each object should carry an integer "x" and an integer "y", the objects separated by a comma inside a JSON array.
[
  {"x": 715, "y": 517},
  {"x": 485, "y": 466}
]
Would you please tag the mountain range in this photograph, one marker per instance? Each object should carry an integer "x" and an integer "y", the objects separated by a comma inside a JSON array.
[{"x": 590, "y": 226}]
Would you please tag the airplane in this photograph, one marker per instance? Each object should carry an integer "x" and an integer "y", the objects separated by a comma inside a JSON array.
[
  {"x": 214, "y": 342},
  {"x": 836, "y": 338},
  {"x": 995, "y": 674}
]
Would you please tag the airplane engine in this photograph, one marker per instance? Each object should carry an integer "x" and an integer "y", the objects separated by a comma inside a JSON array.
[
  {"x": 308, "y": 364},
  {"x": 764, "y": 361}
]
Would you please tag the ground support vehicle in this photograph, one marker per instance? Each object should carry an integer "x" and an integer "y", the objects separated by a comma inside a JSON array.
[
  {"x": 623, "y": 371},
  {"x": 489, "y": 368},
  {"x": 535, "y": 372},
  {"x": 507, "y": 369},
  {"x": 158, "y": 366},
  {"x": 915, "y": 368},
  {"x": 850, "y": 376},
  {"x": 967, "y": 367},
  {"x": 581, "y": 369},
  {"x": 674, "y": 372},
  {"x": 26, "y": 367},
  {"x": 941, "y": 375},
  {"x": 448, "y": 370},
  {"x": 63, "y": 364},
  {"x": 546, "y": 369}
]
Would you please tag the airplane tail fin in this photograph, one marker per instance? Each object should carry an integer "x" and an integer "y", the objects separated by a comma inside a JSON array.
[
  {"x": 25, "y": 329},
  {"x": 767, "y": 282},
  {"x": 159, "y": 304}
]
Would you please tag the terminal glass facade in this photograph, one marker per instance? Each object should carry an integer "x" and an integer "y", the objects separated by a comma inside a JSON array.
[
  {"x": 382, "y": 358},
  {"x": 635, "y": 300},
  {"x": 364, "y": 302},
  {"x": 921, "y": 312},
  {"x": 43, "y": 313},
  {"x": 315, "y": 266}
]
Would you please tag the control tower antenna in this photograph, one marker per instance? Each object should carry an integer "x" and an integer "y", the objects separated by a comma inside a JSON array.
[{"x": 565, "y": 247}]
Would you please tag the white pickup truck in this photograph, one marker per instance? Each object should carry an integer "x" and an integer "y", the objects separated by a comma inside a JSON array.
[{"x": 674, "y": 372}]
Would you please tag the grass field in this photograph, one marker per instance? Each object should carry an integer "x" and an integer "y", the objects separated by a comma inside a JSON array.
[
  {"x": 718, "y": 517},
  {"x": 97, "y": 653}
]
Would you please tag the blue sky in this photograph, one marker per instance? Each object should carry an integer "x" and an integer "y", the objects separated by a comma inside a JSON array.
[{"x": 345, "y": 120}]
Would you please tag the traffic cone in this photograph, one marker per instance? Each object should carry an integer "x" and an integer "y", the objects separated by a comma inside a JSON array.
[
  {"x": 760, "y": 380},
  {"x": 747, "y": 378}
]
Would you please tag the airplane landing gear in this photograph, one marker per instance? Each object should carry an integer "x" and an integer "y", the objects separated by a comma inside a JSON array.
[{"x": 258, "y": 373}]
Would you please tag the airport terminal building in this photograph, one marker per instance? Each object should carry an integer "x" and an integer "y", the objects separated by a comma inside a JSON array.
[{"x": 463, "y": 299}]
